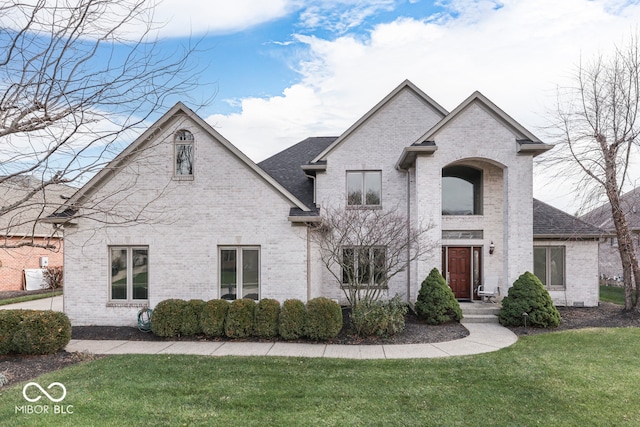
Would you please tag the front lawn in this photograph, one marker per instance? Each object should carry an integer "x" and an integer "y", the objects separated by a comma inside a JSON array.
[
  {"x": 571, "y": 378},
  {"x": 614, "y": 294}
]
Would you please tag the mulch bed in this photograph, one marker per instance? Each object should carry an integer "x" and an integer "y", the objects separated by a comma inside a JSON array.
[{"x": 22, "y": 368}]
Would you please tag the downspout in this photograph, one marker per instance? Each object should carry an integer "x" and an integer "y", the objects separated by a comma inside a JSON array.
[
  {"x": 308, "y": 262},
  {"x": 408, "y": 236}
]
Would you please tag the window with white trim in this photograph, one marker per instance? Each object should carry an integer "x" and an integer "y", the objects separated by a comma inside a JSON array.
[
  {"x": 183, "y": 154},
  {"x": 239, "y": 269},
  {"x": 366, "y": 266},
  {"x": 549, "y": 265},
  {"x": 129, "y": 273},
  {"x": 364, "y": 188}
]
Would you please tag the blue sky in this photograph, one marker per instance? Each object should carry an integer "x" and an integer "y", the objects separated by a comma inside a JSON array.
[{"x": 288, "y": 69}]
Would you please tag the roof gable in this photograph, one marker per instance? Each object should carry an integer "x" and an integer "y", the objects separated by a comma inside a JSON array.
[
  {"x": 128, "y": 153},
  {"x": 406, "y": 85},
  {"x": 522, "y": 135}
]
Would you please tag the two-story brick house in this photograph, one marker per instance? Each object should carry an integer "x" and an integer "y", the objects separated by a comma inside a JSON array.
[{"x": 182, "y": 213}]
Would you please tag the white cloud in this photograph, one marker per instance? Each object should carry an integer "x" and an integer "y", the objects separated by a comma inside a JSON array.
[{"x": 514, "y": 51}]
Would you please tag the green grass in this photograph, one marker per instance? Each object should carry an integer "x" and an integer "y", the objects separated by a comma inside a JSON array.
[
  {"x": 612, "y": 294},
  {"x": 574, "y": 378},
  {"x": 30, "y": 297}
]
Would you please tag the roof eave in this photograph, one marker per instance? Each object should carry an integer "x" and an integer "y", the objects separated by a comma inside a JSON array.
[
  {"x": 409, "y": 154},
  {"x": 533, "y": 148},
  {"x": 566, "y": 236}
]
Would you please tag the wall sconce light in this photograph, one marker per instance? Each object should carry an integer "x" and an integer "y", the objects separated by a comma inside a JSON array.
[{"x": 492, "y": 248}]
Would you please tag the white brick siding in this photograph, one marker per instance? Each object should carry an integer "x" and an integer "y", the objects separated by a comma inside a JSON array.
[
  {"x": 581, "y": 273},
  {"x": 183, "y": 223}
]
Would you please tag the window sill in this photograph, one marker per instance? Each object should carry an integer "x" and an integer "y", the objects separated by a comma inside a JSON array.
[
  {"x": 129, "y": 304},
  {"x": 556, "y": 288},
  {"x": 365, "y": 287},
  {"x": 183, "y": 177},
  {"x": 364, "y": 207}
]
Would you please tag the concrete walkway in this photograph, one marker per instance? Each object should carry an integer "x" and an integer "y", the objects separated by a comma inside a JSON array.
[{"x": 482, "y": 338}]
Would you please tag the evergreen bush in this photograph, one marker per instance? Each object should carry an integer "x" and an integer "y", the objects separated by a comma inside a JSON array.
[
  {"x": 323, "y": 320},
  {"x": 190, "y": 319},
  {"x": 436, "y": 302},
  {"x": 239, "y": 321},
  {"x": 528, "y": 295},
  {"x": 379, "y": 318},
  {"x": 167, "y": 317},
  {"x": 292, "y": 319},
  {"x": 266, "y": 318},
  {"x": 39, "y": 332},
  {"x": 214, "y": 313},
  {"x": 9, "y": 321}
]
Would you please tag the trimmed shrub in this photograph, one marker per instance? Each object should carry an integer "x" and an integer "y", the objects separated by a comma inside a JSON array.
[
  {"x": 40, "y": 332},
  {"x": 528, "y": 295},
  {"x": 323, "y": 320},
  {"x": 436, "y": 302},
  {"x": 292, "y": 319},
  {"x": 167, "y": 317},
  {"x": 379, "y": 318},
  {"x": 265, "y": 321},
  {"x": 9, "y": 321},
  {"x": 239, "y": 321},
  {"x": 214, "y": 313},
  {"x": 190, "y": 319}
]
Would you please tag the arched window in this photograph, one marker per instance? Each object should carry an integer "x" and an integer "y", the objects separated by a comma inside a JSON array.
[
  {"x": 461, "y": 191},
  {"x": 183, "y": 149}
]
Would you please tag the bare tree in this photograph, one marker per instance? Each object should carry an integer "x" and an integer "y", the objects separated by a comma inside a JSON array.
[
  {"x": 363, "y": 249},
  {"x": 75, "y": 79},
  {"x": 599, "y": 128}
]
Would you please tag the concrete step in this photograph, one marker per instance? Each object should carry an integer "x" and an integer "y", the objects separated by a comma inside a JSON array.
[
  {"x": 479, "y": 318},
  {"x": 479, "y": 312}
]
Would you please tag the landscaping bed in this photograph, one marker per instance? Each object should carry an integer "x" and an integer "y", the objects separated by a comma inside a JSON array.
[{"x": 21, "y": 368}]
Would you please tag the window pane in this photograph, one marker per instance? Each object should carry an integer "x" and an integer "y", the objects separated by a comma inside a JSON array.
[
  {"x": 364, "y": 266},
  {"x": 228, "y": 274},
  {"x": 379, "y": 265},
  {"x": 540, "y": 264},
  {"x": 372, "y": 185},
  {"x": 556, "y": 269},
  {"x": 348, "y": 262},
  {"x": 184, "y": 159},
  {"x": 250, "y": 273},
  {"x": 140, "y": 274},
  {"x": 118, "y": 273},
  {"x": 354, "y": 188},
  {"x": 461, "y": 191}
]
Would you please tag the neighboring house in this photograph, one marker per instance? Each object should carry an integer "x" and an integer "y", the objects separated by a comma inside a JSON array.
[
  {"x": 25, "y": 243},
  {"x": 182, "y": 213},
  {"x": 602, "y": 217}
]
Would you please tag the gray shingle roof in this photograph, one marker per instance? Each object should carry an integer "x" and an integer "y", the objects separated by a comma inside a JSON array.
[
  {"x": 285, "y": 167},
  {"x": 554, "y": 223},
  {"x": 601, "y": 216}
]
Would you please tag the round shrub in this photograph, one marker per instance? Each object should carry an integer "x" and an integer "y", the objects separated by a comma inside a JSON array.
[
  {"x": 528, "y": 295},
  {"x": 41, "y": 332},
  {"x": 190, "y": 321},
  {"x": 292, "y": 319},
  {"x": 379, "y": 318},
  {"x": 266, "y": 318},
  {"x": 239, "y": 321},
  {"x": 436, "y": 302},
  {"x": 214, "y": 313},
  {"x": 9, "y": 321},
  {"x": 167, "y": 317},
  {"x": 324, "y": 319}
]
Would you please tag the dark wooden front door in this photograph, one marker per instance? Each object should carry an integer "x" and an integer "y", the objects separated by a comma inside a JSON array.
[{"x": 459, "y": 269}]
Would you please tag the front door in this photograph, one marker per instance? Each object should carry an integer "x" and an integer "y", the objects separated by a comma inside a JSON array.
[{"x": 459, "y": 271}]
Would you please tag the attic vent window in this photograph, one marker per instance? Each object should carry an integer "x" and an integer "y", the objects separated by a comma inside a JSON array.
[{"x": 183, "y": 151}]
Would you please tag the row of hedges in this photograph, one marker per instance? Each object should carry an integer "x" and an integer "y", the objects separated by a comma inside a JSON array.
[
  {"x": 33, "y": 331},
  {"x": 320, "y": 319}
]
